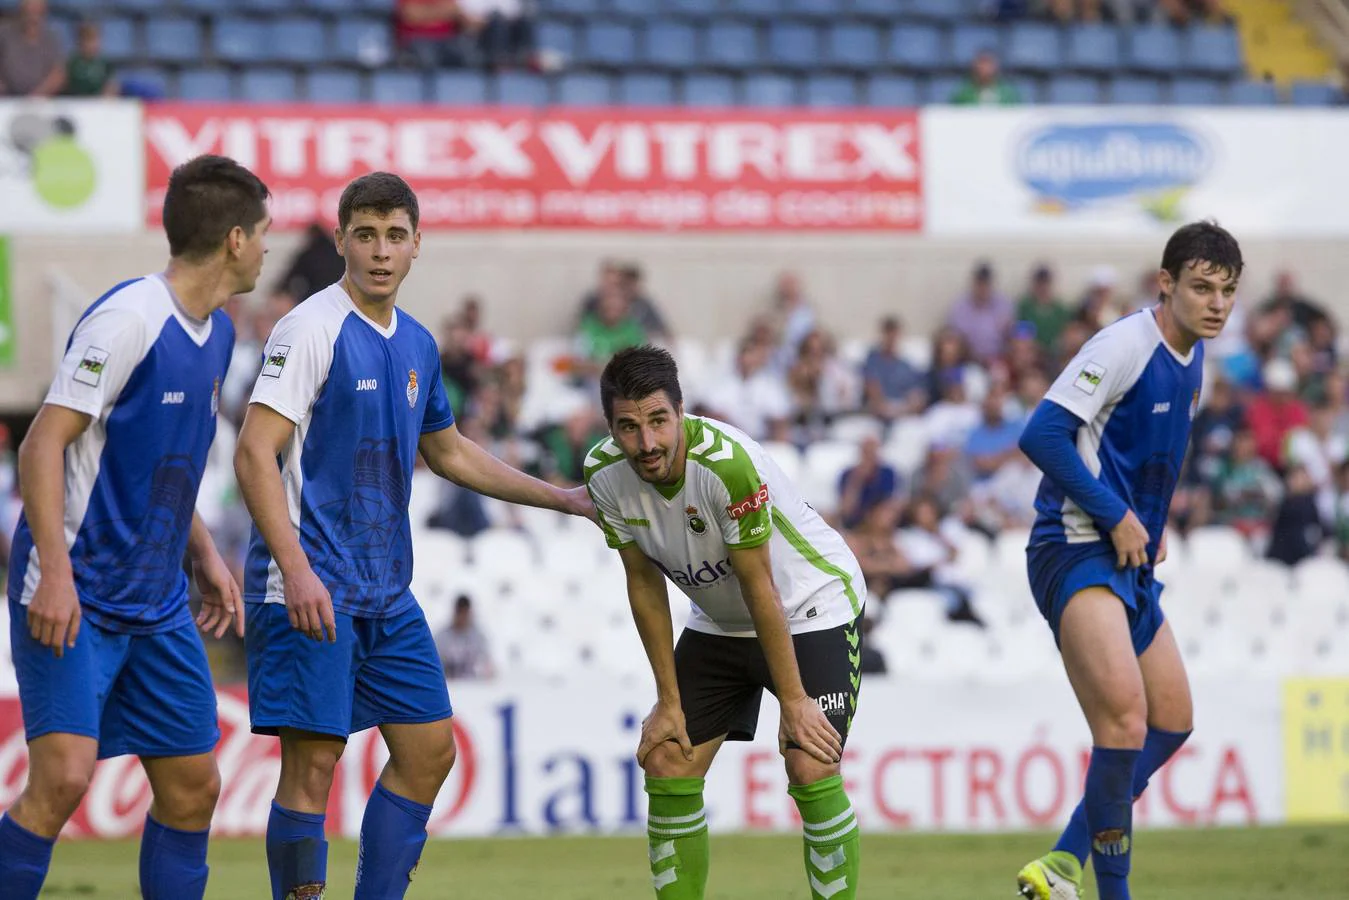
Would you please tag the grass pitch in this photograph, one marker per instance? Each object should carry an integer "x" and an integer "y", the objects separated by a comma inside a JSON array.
[{"x": 1214, "y": 864}]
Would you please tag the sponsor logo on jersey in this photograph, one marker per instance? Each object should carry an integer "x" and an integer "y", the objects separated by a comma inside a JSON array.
[
  {"x": 697, "y": 524},
  {"x": 276, "y": 361},
  {"x": 413, "y": 390},
  {"x": 1159, "y": 408},
  {"x": 367, "y": 384},
  {"x": 215, "y": 397},
  {"x": 90, "y": 369},
  {"x": 753, "y": 503},
  {"x": 173, "y": 398},
  {"x": 1089, "y": 379},
  {"x": 707, "y": 574},
  {"x": 833, "y": 703}
]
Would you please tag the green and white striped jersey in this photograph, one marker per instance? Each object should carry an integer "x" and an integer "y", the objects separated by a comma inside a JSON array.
[{"x": 732, "y": 495}]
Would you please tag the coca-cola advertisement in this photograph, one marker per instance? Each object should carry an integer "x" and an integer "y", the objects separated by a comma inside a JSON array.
[{"x": 658, "y": 170}]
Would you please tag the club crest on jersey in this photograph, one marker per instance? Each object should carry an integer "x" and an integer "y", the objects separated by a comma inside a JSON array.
[
  {"x": 413, "y": 390},
  {"x": 215, "y": 397},
  {"x": 697, "y": 524}
]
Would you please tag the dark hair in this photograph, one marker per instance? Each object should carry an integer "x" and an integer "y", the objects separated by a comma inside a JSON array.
[
  {"x": 207, "y": 198},
  {"x": 380, "y": 193},
  {"x": 1204, "y": 242},
  {"x": 636, "y": 373}
]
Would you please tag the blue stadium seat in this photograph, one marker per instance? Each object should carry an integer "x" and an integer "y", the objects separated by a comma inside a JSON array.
[
  {"x": 460, "y": 87},
  {"x": 64, "y": 28},
  {"x": 793, "y": 45},
  {"x": 521, "y": 89},
  {"x": 818, "y": 10},
  {"x": 262, "y": 85},
  {"x": 120, "y": 40},
  {"x": 557, "y": 36},
  {"x": 299, "y": 39},
  {"x": 1253, "y": 93},
  {"x": 646, "y": 89},
  {"x": 580, "y": 9},
  {"x": 1033, "y": 47},
  {"x": 939, "y": 89},
  {"x": 205, "y": 85},
  {"x": 768, "y": 89},
  {"x": 239, "y": 40},
  {"x": 140, "y": 7},
  {"x": 731, "y": 45},
  {"x": 199, "y": 7},
  {"x": 173, "y": 39},
  {"x": 397, "y": 86},
  {"x": 670, "y": 45},
  {"x": 1214, "y": 50},
  {"x": 634, "y": 9},
  {"x": 1137, "y": 90},
  {"x": 379, "y": 7},
  {"x": 1093, "y": 48},
  {"x": 1152, "y": 48},
  {"x": 1196, "y": 92},
  {"x": 829, "y": 89},
  {"x": 584, "y": 89},
  {"x": 697, "y": 10},
  {"x": 968, "y": 41},
  {"x": 709, "y": 89},
  {"x": 332, "y": 86},
  {"x": 364, "y": 41},
  {"x": 1314, "y": 93},
  {"x": 610, "y": 44},
  {"x": 1029, "y": 88},
  {"x": 874, "y": 10},
  {"x": 266, "y": 7},
  {"x": 852, "y": 45},
  {"x": 936, "y": 10},
  {"x": 146, "y": 82},
  {"x": 332, "y": 7},
  {"x": 756, "y": 10},
  {"x": 918, "y": 47},
  {"x": 1071, "y": 89},
  {"x": 893, "y": 91}
]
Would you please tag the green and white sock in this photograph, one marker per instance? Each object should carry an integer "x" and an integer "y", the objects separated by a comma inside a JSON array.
[
  {"x": 833, "y": 841},
  {"x": 677, "y": 838}
]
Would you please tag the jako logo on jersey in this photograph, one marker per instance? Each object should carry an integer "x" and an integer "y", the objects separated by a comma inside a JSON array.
[
  {"x": 753, "y": 503},
  {"x": 367, "y": 384},
  {"x": 412, "y": 388},
  {"x": 697, "y": 524},
  {"x": 706, "y": 575},
  {"x": 833, "y": 703},
  {"x": 172, "y": 398},
  {"x": 1159, "y": 408}
]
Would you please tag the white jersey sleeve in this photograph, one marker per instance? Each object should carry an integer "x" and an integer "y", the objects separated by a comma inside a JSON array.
[
  {"x": 294, "y": 366},
  {"x": 744, "y": 507},
  {"x": 105, "y": 349},
  {"x": 1102, "y": 372},
  {"x": 617, "y": 534}
]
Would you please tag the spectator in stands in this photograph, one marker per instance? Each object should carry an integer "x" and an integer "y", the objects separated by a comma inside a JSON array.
[
  {"x": 945, "y": 477},
  {"x": 950, "y": 420},
  {"x": 1318, "y": 451},
  {"x": 983, "y": 316},
  {"x": 993, "y": 442},
  {"x": 314, "y": 266},
  {"x": 478, "y": 341},
  {"x": 950, "y": 354},
  {"x": 1099, "y": 306},
  {"x": 1247, "y": 490},
  {"x": 505, "y": 31},
  {"x": 1024, "y": 353},
  {"x": 564, "y": 445},
  {"x": 1273, "y": 414},
  {"x": 627, "y": 279},
  {"x": 872, "y": 660},
  {"x": 1042, "y": 307},
  {"x": 1066, "y": 11},
  {"x": 925, "y": 545},
  {"x": 611, "y": 327},
  {"x": 1341, "y": 519},
  {"x": 1302, "y": 310},
  {"x": 892, "y": 386},
  {"x": 88, "y": 74},
  {"x": 751, "y": 396},
  {"x": 821, "y": 385},
  {"x": 32, "y": 63},
  {"x": 433, "y": 33},
  {"x": 460, "y": 371},
  {"x": 1075, "y": 334},
  {"x": 1149, "y": 290},
  {"x": 884, "y": 565},
  {"x": 866, "y": 485},
  {"x": 1192, "y": 12},
  {"x": 1031, "y": 388},
  {"x": 1006, "y": 499},
  {"x": 1298, "y": 528},
  {"x": 462, "y": 645},
  {"x": 1214, "y": 428},
  {"x": 985, "y": 87}
]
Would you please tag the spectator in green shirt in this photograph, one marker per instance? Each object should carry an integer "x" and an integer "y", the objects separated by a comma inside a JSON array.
[
  {"x": 984, "y": 87},
  {"x": 1042, "y": 307},
  {"x": 88, "y": 74},
  {"x": 611, "y": 326}
]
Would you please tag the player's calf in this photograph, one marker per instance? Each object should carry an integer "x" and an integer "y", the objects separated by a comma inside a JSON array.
[
  {"x": 178, "y": 826},
  {"x": 297, "y": 853},
  {"x": 60, "y": 768}
]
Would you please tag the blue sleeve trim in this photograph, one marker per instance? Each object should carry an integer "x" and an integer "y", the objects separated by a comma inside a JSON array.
[{"x": 1050, "y": 441}]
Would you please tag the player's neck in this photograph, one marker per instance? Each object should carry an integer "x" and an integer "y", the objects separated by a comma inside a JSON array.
[
  {"x": 1176, "y": 337},
  {"x": 199, "y": 289},
  {"x": 378, "y": 311}
]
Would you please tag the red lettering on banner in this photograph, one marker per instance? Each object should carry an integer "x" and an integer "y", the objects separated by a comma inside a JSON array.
[
  {"x": 937, "y": 757},
  {"x": 644, "y": 169},
  {"x": 1230, "y": 786},
  {"x": 984, "y": 770},
  {"x": 754, "y": 787},
  {"x": 1049, "y": 812},
  {"x": 897, "y": 817},
  {"x": 1186, "y": 815}
]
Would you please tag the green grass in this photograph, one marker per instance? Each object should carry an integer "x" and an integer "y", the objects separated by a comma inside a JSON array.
[{"x": 1217, "y": 864}]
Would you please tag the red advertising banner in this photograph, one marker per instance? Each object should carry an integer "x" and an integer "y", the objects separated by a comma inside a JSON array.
[{"x": 660, "y": 170}]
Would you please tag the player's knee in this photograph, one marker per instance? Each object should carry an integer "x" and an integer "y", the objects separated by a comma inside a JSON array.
[
  {"x": 1125, "y": 727},
  {"x": 189, "y": 800},
  {"x": 666, "y": 761},
  {"x": 64, "y": 787},
  {"x": 802, "y": 768},
  {"x": 440, "y": 760}
]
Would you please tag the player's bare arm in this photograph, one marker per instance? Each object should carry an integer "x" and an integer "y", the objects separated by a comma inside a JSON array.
[
  {"x": 54, "y": 613},
  {"x": 650, "y": 602},
  {"x": 221, "y": 600},
  {"x": 802, "y": 720},
  {"x": 456, "y": 458},
  {"x": 262, "y": 438}
]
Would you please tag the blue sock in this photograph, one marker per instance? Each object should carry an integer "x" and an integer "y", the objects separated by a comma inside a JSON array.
[
  {"x": 1159, "y": 747},
  {"x": 297, "y": 854},
  {"x": 24, "y": 858},
  {"x": 392, "y": 834},
  {"x": 173, "y": 862},
  {"x": 1110, "y": 813}
]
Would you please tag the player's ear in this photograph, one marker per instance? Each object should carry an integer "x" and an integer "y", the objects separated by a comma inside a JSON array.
[
  {"x": 234, "y": 241},
  {"x": 416, "y": 243},
  {"x": 337, "y": 240},
  {"x": 1166, "y": 284}
]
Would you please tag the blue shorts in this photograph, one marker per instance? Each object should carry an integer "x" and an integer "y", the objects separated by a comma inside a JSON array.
[
  {"x": 143, "y": 694},
  {"x": 380, "y": 671},
  {"x": 1058, "y": 571}
]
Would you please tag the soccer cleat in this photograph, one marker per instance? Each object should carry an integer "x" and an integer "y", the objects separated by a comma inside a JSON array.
[{"x": 1055, "y": 876}]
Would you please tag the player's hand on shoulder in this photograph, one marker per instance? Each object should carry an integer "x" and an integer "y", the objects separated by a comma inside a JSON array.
[
  {"x": 54, "y": 612},
  {"x": 309, "y": 606},
  {"x": 221, "y": 600},
  {"x": 578, "y": 503},
  {"x": 805, "y": 724},
  {"x": 1131, "y": 542},
  {"x": 664, "y": 723}
]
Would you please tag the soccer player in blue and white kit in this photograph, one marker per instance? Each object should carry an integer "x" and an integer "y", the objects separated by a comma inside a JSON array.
[
  {"x": 1110, "y": 437},
  {"x": 108, "y": 660},
  {"x": 349, "y": 392}
]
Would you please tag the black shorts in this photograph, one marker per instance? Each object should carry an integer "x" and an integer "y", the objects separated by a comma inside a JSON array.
[{"x": 722, "y": 679}]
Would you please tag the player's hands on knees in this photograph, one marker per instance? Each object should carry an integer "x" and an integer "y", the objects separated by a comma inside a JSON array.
[
  {"x": 1131, "y": 542},
  {"x": 806, "y": 725},
  {"x": 309, "y": 606},
  {"x": 221, "y": 600},
  {"x": 664, "y": 723},
  {"x": 54, "y": 612}
]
